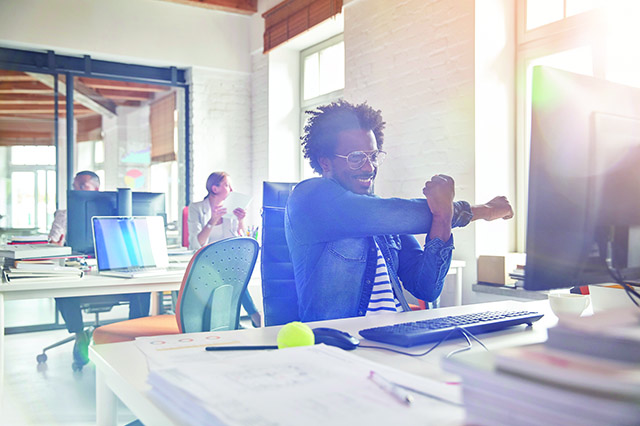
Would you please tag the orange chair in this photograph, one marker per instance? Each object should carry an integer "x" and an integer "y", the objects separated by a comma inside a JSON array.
[{"x": 209, "y": 298}]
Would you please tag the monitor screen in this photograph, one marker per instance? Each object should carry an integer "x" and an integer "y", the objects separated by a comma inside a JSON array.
[
  {"x": 583, "y": 224},
  {"x": 83, "y": 205},
  {"x": 125, "y": 242}
]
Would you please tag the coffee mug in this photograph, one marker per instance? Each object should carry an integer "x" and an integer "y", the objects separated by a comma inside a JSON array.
[{"x": 568, "y": 304}]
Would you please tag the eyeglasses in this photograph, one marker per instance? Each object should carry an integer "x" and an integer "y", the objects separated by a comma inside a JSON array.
[{"x": 356, "y": 159}]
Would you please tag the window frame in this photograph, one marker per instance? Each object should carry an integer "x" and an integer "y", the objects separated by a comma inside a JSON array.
[
  {"x": 323, "y": 99},
  {"x": 555, "y": 37}
]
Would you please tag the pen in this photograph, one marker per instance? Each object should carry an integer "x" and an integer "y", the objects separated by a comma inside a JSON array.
[
  {"x": 240, "y": 348},
  {"x": 391, "y": 388}
]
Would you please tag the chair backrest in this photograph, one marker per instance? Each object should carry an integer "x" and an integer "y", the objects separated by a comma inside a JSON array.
[
  {"x": 279, "y": 296},
  {"x": 185, "y": 226},
  {"x": 213, "y": 284}
]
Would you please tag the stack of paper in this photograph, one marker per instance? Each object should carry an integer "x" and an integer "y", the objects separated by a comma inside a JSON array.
[
  {"x": 32, "y": 251},
  {"x": 311, "y": 385},
  {"x": 36, "y": 272},
  {"x": 588, "y": 374}
]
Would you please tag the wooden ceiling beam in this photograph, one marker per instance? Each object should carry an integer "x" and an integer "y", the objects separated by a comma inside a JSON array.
[
  {"x": 95, "y": 83},
  {"x": 245, "y": 7},
  {"x": 25, "y": 135},
  {"x": 82, "y": 94},
  {"x": 133, "y": 96}
]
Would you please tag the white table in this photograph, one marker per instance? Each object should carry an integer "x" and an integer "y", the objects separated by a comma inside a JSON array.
[
  {"x": 89, "y": 285},
  {"x": 456, "y": 268},
  {"x": 121, "y": 369}
]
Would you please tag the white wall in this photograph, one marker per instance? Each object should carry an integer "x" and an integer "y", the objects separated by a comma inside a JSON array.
[
  {"x": 221, "y": 136},
  {"x": 416, "y": 64},
  {"x": 148, "y": 32},
  {"x": 495, "y": 118}
]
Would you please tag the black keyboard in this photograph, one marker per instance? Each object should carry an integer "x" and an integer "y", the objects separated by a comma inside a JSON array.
[{"x": 434, "y": 329}]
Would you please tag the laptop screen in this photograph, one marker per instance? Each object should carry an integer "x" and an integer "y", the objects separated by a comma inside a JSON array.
[{"x": 126, "y": 242}]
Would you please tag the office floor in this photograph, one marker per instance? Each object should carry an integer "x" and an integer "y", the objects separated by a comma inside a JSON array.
[{"x": 50, "y": 394}]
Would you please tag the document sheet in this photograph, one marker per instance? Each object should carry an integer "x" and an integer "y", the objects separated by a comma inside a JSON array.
[{"x": 310, "y": 385}]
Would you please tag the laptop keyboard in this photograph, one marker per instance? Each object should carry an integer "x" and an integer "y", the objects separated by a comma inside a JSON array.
[{"x": 434, "y": 329}]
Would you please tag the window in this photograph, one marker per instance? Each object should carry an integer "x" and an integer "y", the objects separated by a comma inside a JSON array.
[
  {"x": 587, "y": 37},
  {"x": 32, "y": 178},
  {"x": 322, "y": 81}
]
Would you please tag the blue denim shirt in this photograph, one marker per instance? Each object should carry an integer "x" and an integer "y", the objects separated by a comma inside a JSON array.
[{"x": 330, "y": 232}]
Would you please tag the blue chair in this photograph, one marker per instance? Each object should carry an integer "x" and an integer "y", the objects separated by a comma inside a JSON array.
[
  {"x": 280, "y": 300},
  {"x": 209, "y": 297}
]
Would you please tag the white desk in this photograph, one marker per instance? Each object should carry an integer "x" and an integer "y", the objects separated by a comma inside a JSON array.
[
  {"x": 121, "y": 369},
  {"x": 89, "y": 285},
  {"x": 456, "y": 269}
]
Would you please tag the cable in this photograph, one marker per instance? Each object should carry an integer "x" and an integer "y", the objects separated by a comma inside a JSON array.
[
  {"x": 455, "y": 351},
  {"x": 470, "y": 334},
  {"x": 410, "y": 354}
]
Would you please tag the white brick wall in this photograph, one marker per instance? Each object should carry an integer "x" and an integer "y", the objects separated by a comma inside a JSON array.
[
  {"x": 221, "y": 137},
  {"x": 414, "y": 60},
  {"x": 259, "y": 127}
]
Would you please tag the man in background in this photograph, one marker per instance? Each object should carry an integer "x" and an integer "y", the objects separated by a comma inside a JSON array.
[{"x": 69, "y": 307}]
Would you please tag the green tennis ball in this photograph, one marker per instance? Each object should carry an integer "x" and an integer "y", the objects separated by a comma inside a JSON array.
[{"x": 295, "y": 334}]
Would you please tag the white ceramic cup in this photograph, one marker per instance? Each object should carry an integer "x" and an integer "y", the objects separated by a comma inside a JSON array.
[{"x": 568, "y": 304}]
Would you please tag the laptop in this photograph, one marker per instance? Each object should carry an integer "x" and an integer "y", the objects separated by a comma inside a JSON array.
[{"x": 130, "y": 246}]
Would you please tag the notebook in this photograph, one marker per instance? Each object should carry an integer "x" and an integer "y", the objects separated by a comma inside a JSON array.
[{"x": 130, "y": 246}]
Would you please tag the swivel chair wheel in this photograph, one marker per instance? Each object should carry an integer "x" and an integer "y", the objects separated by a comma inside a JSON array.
[
  {"x": 41, "y": 358},
  {"x": 77, "y": 366}
]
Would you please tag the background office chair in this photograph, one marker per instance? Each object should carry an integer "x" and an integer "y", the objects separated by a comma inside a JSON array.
[
  {"x": 279, "y": 295},
  {"x": 96, "y": 307},
  {"x": 209, "y": 297}
]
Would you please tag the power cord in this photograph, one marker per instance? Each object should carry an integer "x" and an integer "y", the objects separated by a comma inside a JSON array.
[{"x": 465, "y": 333}]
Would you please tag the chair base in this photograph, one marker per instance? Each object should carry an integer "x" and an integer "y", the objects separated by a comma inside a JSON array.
[{"x": 76, "y": 366}]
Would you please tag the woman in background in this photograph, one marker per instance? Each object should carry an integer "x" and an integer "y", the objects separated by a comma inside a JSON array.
[{"x": 207, "y": 224}]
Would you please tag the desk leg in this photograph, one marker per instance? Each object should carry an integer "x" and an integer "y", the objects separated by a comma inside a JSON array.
[
  {"x": 106, "y": 402},
  {"x": 457, "y": 294}
]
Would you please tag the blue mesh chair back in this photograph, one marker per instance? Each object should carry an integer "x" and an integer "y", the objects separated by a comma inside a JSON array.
[
  {"x": 279, "y": 295},
  {"x": 213, "y": 284}
]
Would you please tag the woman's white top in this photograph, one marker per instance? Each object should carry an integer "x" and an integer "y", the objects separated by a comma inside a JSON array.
[{"x": 199, "y": 215}]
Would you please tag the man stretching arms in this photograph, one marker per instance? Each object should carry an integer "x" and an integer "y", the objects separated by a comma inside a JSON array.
[{"x": 352, "y": 251}]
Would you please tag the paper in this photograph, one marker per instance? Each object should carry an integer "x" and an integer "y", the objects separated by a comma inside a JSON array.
[
  {"x": 176, "y": 349},
  {"x": 310, "y": 385},
  {"x": 235, "y": 200}
]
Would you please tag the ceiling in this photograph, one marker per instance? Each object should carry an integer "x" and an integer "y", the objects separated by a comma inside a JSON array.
[
  {"x": 246, "y": 7},
  {"x": 27, "y": 103}
]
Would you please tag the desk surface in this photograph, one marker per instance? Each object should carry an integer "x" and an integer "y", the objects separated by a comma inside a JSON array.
[
  {"x": 122, "y": 369},
  {"x": 91, "y": 284}
]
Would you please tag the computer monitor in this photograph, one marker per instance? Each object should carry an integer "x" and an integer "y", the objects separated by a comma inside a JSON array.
[
  {"x": 83, "y": 205},
  {"x": 584, "y": 182}
]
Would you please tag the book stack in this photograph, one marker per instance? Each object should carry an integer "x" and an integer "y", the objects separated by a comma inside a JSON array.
[
  {"x": 517, "y": 275},
  {"x": 32, "y": 251},
  {"x": 35, "y": 272},
  {"x": 586, "y": 373},
  {"x": 34, "y": 262},
  {"x": 29, "y": 239}
]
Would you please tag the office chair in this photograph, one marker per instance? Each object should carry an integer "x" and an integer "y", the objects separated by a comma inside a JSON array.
[
  {"x": 279, "y": 295},
  {"x": 209, "y": 297},
  {"x": 96, "y": 307}
]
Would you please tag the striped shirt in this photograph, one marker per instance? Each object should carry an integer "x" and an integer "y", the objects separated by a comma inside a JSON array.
[{"x": 382, "y": 296}]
